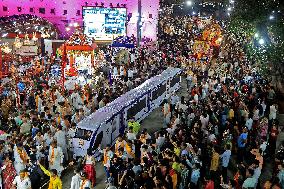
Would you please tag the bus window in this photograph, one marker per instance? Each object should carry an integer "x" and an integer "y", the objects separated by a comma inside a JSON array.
[
  {"x": 98, "y": 140},
  {"x": 83, "y": 134}
]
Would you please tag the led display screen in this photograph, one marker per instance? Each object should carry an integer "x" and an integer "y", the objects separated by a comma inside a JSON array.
[{"x": 104, "y": 23}]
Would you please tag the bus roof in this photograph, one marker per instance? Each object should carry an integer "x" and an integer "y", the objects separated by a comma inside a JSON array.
[{"x": 104, "y": 114}]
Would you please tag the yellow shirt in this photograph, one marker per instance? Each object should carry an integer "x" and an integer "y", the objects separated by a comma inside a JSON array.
[
  {"x": 177, "y": 151},
  {"x": 135, "y": 125},
  {"x": 215, "y": 161},
  {"x": 54, "y": 182},
  {"x": 231, "y": 114},
  {"x": 176, "y": 167},
  {"x": 119, "y": 144}
]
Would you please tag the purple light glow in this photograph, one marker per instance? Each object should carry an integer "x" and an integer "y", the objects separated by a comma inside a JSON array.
[{"x": 149, "y": 28}]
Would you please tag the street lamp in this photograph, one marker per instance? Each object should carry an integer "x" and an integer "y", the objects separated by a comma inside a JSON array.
[
  {"x": 261, "y": 41},
  {"x": 189, "y": 3}
]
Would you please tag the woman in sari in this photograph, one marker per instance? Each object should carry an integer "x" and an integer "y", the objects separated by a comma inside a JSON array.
[
  {"x": 89, "y": 167},
  {"x": 8, "y": 173}
]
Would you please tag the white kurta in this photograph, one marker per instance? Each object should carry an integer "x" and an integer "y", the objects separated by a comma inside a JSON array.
[
  {"x": 167, "y": 113},
  {"x": 76, "y": 100},
  {"x": 75, "y": 182},
  {"x": 60, "y": 137},
  {"x": 22, "y": 184},
  {"x": 18, "y": 163},
  {"x": 57, "y": 160},
  {"x": 272, "y": 114}
]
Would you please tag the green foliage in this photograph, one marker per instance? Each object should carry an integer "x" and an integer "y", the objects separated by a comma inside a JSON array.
[{"x": 251, "y": 16}]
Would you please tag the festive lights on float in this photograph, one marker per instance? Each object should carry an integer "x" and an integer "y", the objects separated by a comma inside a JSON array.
[
  {"x": 18, "y": 44},
  {"x": 45, "y": 34},
  {"x": 5, "y": 48},
  {"x": 27, "y": 40},
  {"x": 34, "y": 38}
]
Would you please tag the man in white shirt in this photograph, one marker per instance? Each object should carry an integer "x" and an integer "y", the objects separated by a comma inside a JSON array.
[
  {"x": 76, "y": 99},
  {"x": 76, "y": 180},
  {"x": 130, "y": 73},
  {"x": 272, "y": 110},
  {"x": 204, "y": 118},
  {"x": 196, "y": 98},
  {"x": 174, "y": 99},
  {"x": 130, "y": 134},
  {"x": 22, "y": 181},
  {"x": 249, "y": 123},
  {"x": 160, "y": 140},
  {"x": 60, "y": 137}
]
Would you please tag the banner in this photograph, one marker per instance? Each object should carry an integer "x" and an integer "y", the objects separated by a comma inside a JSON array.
[{"x": 27, "y": 50}]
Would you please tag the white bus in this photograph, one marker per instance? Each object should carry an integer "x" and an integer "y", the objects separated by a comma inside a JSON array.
[{"x": 104, "y": 126}]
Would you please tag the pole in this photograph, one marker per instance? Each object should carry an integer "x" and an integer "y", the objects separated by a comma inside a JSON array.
[
  {"x": 139, "y": 23},
  {"x": 63, "y": 64}
]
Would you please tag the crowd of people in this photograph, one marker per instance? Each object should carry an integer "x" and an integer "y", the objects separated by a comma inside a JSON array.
[
  {"x": 38, "y": 118},
  {"x": 220, "y": 135}
]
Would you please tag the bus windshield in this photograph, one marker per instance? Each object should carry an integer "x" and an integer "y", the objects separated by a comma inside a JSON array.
[{"x": 83, "y": 134}]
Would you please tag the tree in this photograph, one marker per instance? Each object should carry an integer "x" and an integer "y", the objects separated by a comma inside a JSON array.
[{"x": 266, "y": 19}]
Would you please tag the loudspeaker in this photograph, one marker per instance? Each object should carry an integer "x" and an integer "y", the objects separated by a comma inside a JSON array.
[
  {"x": 31, "y": 10},
  {"x": 78, "y": 13},
  {"x": 19, "y": 9},
  {"x": 150, "y": 16},
  {"x": 5, "y": 8},
  {"x": 64, "y": 12},
  {"x": 52, "y": 11},
  {"x": 42, "y": 10}
]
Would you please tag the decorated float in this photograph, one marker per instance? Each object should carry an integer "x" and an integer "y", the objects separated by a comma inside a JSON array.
[
  {"x": 208, "y": 42},
  {"x": 78, "y": 60},
  {"x": 201, "y": 51},
  {"x": 213, "y": 34}
]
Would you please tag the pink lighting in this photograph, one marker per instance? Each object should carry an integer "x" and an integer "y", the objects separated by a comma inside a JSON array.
[{"x": 53, "y": 11}]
